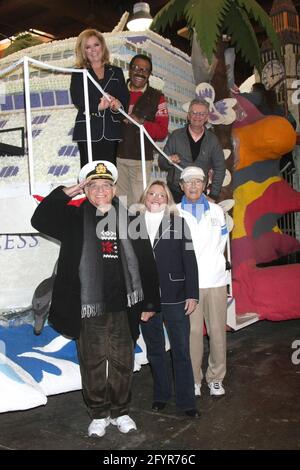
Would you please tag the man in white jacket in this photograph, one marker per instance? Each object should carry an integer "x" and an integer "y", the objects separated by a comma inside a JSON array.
[{"x": 209, "y": 234}]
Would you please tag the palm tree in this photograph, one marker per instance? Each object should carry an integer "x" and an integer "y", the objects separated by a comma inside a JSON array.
[{"x": 210, "y": 20}]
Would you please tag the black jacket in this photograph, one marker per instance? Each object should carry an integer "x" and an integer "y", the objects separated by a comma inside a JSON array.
[
  {"x": 175, "y": 259},
  {"x": 55, "y": 218},
  {"x": 145, "y": 108},
  {"x": 104, "y": 124}
]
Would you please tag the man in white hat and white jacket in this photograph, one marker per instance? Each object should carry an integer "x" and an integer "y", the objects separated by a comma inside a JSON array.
[
  {"x": 209, "y": 235},
  {"x": 104, "y": 284}
]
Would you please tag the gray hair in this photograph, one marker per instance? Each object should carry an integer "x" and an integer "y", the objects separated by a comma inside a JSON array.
[{"x": 198, "y": 101}]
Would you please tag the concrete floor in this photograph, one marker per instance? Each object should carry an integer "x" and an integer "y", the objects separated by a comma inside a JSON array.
[{"x": 261, "y": 408}]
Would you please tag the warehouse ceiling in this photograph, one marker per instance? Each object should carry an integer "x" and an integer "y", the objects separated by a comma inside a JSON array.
[{"x": 65, "y": 18}]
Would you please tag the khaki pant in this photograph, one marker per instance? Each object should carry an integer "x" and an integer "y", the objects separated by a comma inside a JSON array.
[
  {"x": 212, "y": 308},
  {"x": 130, "y": 180}
]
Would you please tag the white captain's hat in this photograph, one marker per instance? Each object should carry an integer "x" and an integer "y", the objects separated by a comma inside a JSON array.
[{"x": 98, "y": 169}]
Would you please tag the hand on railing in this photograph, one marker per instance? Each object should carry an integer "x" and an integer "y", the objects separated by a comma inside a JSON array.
[
  {"x": 115, "y": 104},
  {"x": 104, "y": 103},
  {"x": 175, "y": 158}
]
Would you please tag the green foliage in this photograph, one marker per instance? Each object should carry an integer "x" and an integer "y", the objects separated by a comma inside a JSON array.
[
  {"x": 243, "y": 38},
  {"x": 206, "y": 18},
  {"x": 171, "y": 12},
  {"x": 22, "y": 41},
  {"x": 212, "y": 18}
]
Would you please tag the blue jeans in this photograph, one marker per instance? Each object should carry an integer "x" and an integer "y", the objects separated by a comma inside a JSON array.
[{"x": 178, "y": 328}]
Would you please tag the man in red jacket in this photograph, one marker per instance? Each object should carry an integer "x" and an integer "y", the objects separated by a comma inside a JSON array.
[{"x": 147, "y": 106}]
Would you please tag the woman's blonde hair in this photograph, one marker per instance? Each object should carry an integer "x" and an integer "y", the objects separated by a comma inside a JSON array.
[
  {"x": 171, "y": 206},
  {"x": 81, "y": 59}
]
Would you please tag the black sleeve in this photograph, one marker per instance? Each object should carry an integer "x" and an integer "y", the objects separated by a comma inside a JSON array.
[
  {"x": 51, "y": 215},
  {"x": 149, "y": 275},
  {"x": 150, "y": 284},
  {"x": 76, "y": 90},
  {"x": 123, "y": 93},
  {"x": 77, "y": 93},
  {"x": 163, "y": 163},
  {"x": 219, "y": 168}
]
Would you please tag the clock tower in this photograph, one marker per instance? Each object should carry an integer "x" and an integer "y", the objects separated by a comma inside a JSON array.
[{"x": 282, "y": 76}]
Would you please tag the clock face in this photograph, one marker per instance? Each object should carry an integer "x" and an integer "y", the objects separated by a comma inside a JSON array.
[{"x": 272, "y": 73}]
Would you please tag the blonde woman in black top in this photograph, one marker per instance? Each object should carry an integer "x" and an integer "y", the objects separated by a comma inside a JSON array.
[{"x": 105, "y": 119}]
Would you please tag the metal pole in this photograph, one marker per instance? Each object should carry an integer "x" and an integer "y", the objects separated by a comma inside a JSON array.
[
  {"x": 87, "y": 115},
  {"x": 228, "y": 249},
  {"x": 142, "y": 141},
  {"x": 28, "y": 124}
]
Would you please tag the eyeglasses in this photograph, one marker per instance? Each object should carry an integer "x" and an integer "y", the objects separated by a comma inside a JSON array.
[
  {"x": 99, "y": 187},
  {"x": 136, "y": 68},
  {"x": 196, "y": 182},
  {"x": 159, "y": 195},
  {"x": 198, "y": 113}
]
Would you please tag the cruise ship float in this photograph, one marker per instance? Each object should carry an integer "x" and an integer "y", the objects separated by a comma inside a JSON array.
[{"x": 27, "y": 257}]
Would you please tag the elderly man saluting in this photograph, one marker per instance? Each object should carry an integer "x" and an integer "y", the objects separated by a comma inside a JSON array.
[
  {"x": 209, "y": 234},
  {"x": 101, "y": 290}
]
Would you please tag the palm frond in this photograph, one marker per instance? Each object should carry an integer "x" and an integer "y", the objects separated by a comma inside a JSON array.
[
  {"x": 255, "y": 11},
  {"x": 172, "y": 11},
  {"x": 209, "y": 17},
  {"x": 239, "y": 27},
  {"x": 206, "y": 17}
]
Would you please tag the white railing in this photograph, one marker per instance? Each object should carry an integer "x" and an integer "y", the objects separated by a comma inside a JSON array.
[{"x": 25, "y": 61}]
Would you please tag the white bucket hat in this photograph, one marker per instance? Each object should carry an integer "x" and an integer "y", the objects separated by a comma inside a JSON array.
[{"x": 191, "y": 172}]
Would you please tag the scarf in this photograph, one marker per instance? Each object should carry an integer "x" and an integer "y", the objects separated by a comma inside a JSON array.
[
  {"x": 91, "y": 263},
  {"x": 198, "y": 208}
]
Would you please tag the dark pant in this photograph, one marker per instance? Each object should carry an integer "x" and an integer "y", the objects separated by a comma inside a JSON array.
[
  {"x": 106, "y": 339},
  {"x": 101, "y": 150},
  {"x": 178, "y": 328}
]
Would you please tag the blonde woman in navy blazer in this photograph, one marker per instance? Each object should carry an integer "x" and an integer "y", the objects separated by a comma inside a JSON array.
[
  {"x": 178, "y": 278},
  {"x": 105, "y": 118}
]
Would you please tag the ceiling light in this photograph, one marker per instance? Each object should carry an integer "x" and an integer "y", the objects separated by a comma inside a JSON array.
[{"x": 141, "y": 18}]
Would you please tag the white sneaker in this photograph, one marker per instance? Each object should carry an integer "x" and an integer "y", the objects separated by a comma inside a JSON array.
[
  {"x": 216, "y": 388},
  {"x": 197, "y": 390},
  {"x": 124, "y": 423},
  {"x": 97, "y": 427}
]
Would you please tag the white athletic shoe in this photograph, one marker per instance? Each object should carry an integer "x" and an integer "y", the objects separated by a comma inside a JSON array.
[
  {"x": 216, "y": 388},
  {"x": 124, "y": 423},
  {"x": 98, "y": 427}
]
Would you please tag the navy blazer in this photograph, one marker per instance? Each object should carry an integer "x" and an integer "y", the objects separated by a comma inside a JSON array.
[
  {"x": 104, "y": 124},
  {"x": 176, "y": 261}
]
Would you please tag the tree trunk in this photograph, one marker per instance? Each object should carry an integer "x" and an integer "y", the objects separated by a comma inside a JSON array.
[{"x": 223, "y": 132}]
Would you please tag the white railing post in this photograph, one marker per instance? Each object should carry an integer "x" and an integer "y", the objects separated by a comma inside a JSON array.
[
  {"x": 28, "y": 124},
  {"x": 228, "y": 251},
  {"x": 143, "y": 159},
  {"x": 87, "y": 115},
  {"x": 86, "y": 75}
]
